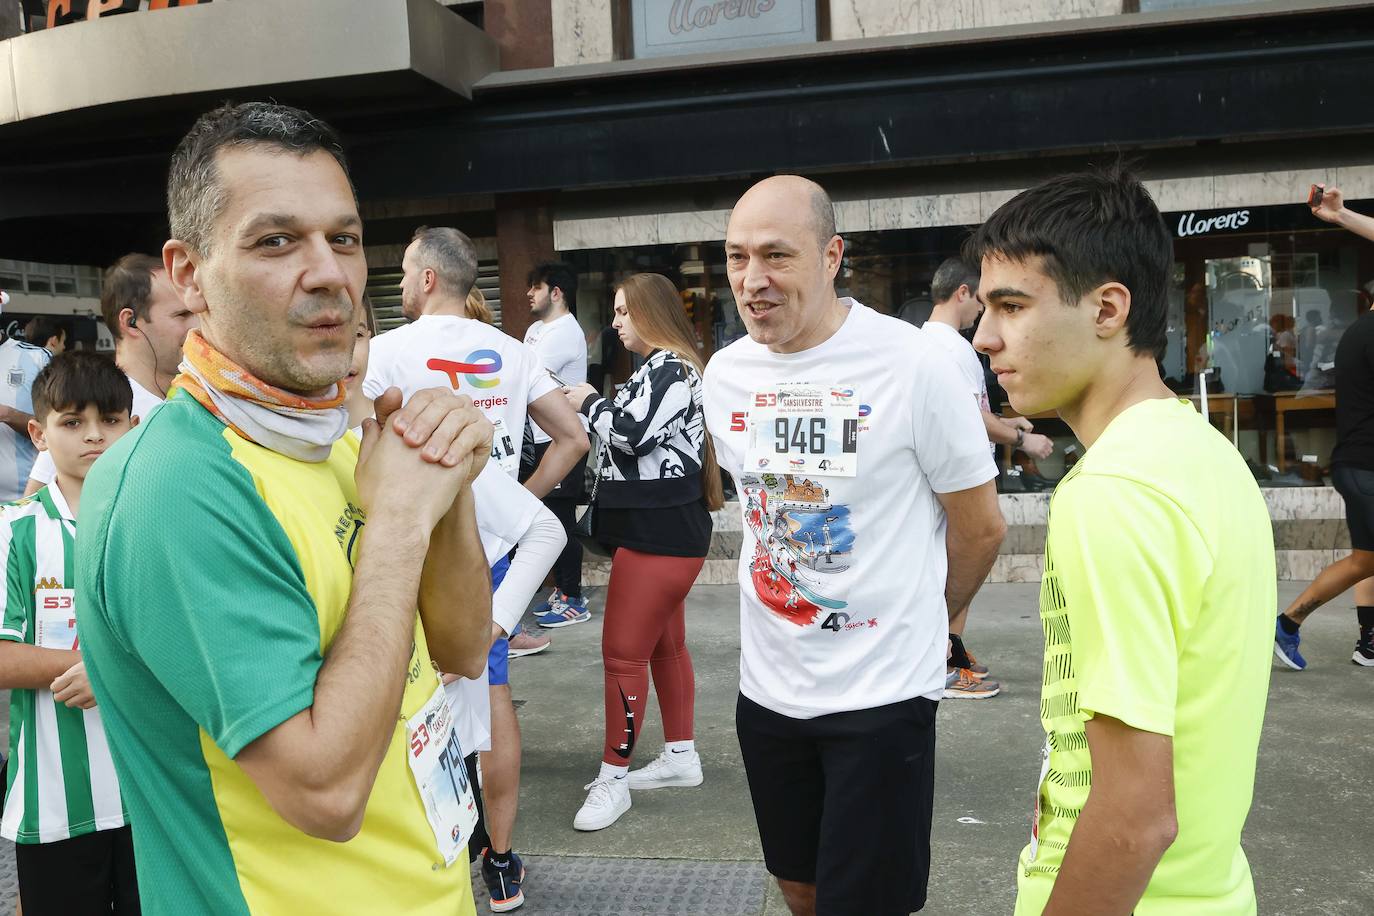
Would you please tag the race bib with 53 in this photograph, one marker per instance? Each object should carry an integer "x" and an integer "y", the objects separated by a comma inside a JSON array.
[
  {"x": 804, "y": 429},
  {"x": 436, "y": 762}
]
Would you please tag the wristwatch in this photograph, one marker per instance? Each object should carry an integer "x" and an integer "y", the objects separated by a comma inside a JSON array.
[{"x": 1020, "y": 437}]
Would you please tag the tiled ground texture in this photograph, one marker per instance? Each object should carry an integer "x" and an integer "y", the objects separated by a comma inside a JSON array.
[
  {"x": 1308, "y": 834},
  {"x": 595, "y": 886}
]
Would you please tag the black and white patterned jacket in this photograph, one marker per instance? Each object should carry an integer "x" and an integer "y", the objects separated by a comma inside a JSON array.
[{"x": 653, "y": 436}]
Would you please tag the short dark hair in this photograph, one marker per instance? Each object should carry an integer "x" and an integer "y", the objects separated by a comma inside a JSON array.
[
  {"x": 557, "y": 274},
  {"x": 1090, "y": 228},
  {"x": 74, "y": 379},
  {"x": 823, "y": 214},
  {"x": 950, "y": 275},
  {"x": 451, "y": 255},
  {"x": 194, "y": 194},
  {"x": 43, "y": 328},
  {"x": 128, "y": 284}
]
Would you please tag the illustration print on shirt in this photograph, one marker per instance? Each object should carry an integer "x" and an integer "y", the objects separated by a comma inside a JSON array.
[{"x": 800, "y": 539}]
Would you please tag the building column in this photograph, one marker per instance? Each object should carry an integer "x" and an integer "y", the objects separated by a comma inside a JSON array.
[
  {"x": 524, "y": 237},
  {"x": 11, "y": 19},
  {"x": 523, "y": 30}
]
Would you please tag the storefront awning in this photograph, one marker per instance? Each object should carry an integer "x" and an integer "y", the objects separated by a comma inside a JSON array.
[
  {"x": 82, "y": 169},
  {"x": 89, "y": 112},
  {"x": 114, "y": 70}
]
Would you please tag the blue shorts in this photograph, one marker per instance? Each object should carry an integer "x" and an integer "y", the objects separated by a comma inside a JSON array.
[{"x": 498, "y": 660}]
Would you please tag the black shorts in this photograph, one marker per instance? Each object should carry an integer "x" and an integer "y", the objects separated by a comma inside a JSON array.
[
  {"x": 93, "y": 873},
  {"x": 844, "y": 801},
  {"x": 1356, "y": 486},
  {"x": 571, "y": 487}
]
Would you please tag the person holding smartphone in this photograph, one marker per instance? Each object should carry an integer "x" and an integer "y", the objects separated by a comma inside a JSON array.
[{"x": 658, "y": 482}]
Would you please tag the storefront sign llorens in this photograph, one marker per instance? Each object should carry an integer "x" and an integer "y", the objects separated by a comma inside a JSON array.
[
  {"x": 61, "y": 12},
  {"x": 663, "y": 27},
  {"x": 1192, "y": 224}
]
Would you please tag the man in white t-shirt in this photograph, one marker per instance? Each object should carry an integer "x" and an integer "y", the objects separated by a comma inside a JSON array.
[
  {"x": 20, "y": 363},
  {"x": 954, "y": 289},
  {"x": 557, "y": 338},
  {"x": 870, "y": 513},
  {"x": 504, "y": 378},
  {"x": 149, "y": 322}
]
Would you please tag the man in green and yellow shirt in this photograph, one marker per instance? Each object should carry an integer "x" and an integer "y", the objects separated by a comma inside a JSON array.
[
  {"x": 250, "y": 574},
  {"x": 1159, "y": 569}
]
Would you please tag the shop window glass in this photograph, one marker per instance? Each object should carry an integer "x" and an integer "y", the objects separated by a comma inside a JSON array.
[{"x": 39, "y": 278}]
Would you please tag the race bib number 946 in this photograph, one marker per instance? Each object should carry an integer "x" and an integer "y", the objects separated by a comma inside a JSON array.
[{"x": 804, "y": 429}]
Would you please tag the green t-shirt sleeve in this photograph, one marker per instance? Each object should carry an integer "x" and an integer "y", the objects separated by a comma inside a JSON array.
[
  {"x": 1132, "y": 567},
  {"x": 202, "y": 585},
  {"x": 18, "y": 608}
]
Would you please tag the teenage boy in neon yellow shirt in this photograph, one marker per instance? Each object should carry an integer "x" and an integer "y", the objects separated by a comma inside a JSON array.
[{"x": 1159, "y": 569}]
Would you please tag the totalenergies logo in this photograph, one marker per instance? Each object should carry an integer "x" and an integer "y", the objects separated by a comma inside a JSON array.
[{"x": 475, "y": 369}]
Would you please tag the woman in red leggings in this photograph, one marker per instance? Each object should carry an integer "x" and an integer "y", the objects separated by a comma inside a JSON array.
[{"x": 658, "y": 481}]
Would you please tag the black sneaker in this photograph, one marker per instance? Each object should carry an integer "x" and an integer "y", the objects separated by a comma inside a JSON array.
[
  {"x": 1364, "y": 649},
  {"x": 503, "y": 884}
]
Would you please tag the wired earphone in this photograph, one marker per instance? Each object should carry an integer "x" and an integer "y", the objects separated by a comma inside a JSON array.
[{"x": 133, "y": 325}]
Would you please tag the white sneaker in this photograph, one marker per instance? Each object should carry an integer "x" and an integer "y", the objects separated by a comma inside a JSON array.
[
  {"x": 668, "y": 769},
  {"x": 608, "y": 799}
]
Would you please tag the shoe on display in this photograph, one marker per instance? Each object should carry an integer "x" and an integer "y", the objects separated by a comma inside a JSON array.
[
  {"x": 1364, "y": 652},
  {"x": 1286, "y": 647},
  {"x": 503, "y": 884},
  {"x": 522, "y": 644},
  {"x": 569, "y": 612},
  {"x": 608, "y": 799},
  {"x": 960, "y": 684},
  {"x": 668, "y": 769}
]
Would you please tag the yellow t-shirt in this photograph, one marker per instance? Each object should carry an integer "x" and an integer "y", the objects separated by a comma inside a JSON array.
[
  {"x": 1157, "y": 603},
  {"x": 217, "y": 574}
]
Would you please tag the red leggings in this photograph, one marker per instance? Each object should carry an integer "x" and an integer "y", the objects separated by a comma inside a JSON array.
[{"x": 646, "y": 626}]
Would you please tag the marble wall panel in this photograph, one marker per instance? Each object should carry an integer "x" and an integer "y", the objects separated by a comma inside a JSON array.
[
  {"x": 1354, "y": 181},
  {"x": 696, "y": 226},
  {"x": 875, "y": 18},
  {"x": 1023, "y": 539},
  {"x": 1311, "y": 534},
  {"x": 1303, "y": 502},
  {"x": 1025, "y": 508},
  {"x": 853, "y": 216},
  {"x": 582, "y": 32},
  {"x": 605, "y": 232},
  {"x": 989, "y": 201},
  {"x": 1017, "y": 568},
  {"x": 1182, "y": 193}
]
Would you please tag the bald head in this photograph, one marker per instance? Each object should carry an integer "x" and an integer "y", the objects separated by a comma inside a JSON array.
[
  {"x": 794, "y": 198},
  {"x": 782, "y": 256}
]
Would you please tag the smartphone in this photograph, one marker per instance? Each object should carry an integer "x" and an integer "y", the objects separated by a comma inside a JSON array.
[{"x": 1314, "y": 196}]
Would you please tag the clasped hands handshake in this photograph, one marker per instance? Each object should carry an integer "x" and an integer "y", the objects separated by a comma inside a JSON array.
[{"x": 417, "y": 458}]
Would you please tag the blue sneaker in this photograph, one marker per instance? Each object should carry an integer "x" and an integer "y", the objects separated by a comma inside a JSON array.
[
  {"x": 565, "y": 614},
  {"x": 1286, "y": 648},
  {"x": 503, "y": 882},
  {"x": 555, "y": 599}
]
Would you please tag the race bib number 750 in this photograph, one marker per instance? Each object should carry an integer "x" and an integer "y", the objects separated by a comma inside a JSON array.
[{"x": 436, "y": 762}]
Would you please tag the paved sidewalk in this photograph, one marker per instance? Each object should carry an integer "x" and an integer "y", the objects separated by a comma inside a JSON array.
[{"x": 695, "y": 851}]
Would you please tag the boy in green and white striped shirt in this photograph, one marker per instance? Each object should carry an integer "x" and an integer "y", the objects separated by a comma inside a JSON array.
[{"x": 63, "y": 806}]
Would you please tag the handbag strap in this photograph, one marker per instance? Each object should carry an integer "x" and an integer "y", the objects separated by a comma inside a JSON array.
[{"x": 596, "y": 471}]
